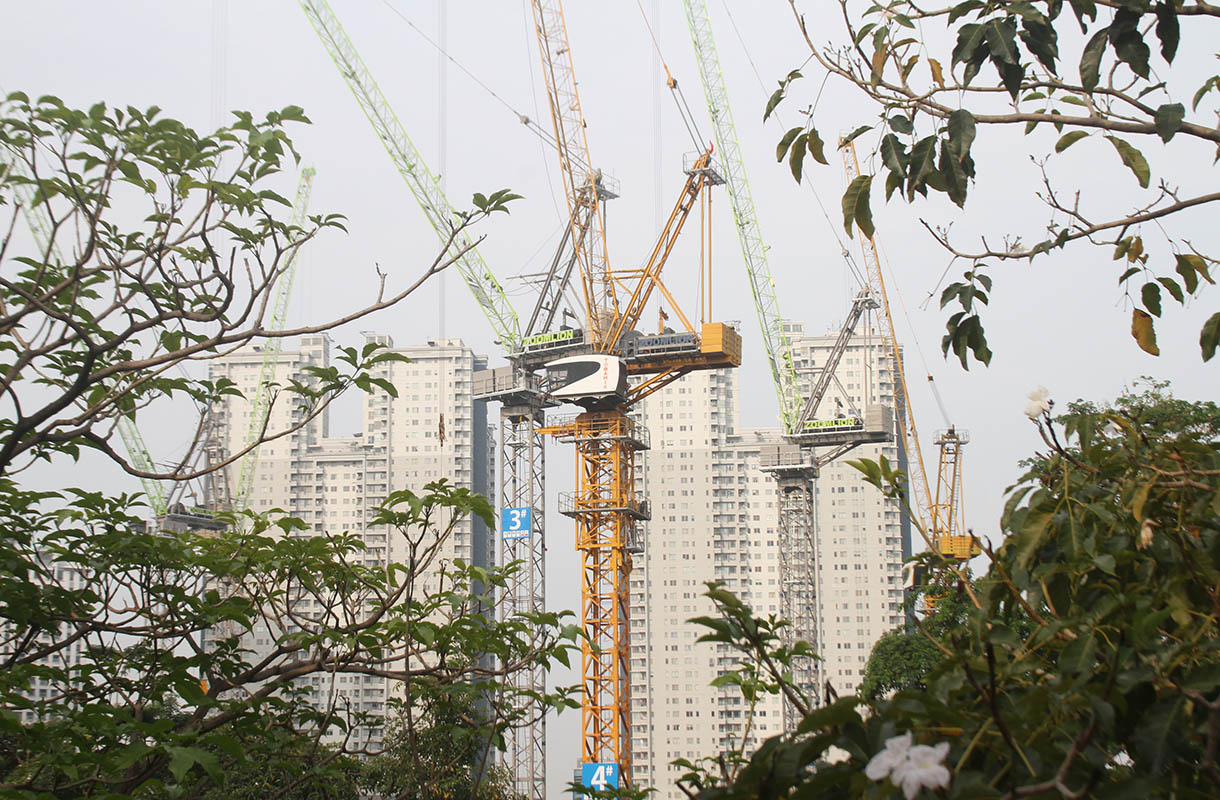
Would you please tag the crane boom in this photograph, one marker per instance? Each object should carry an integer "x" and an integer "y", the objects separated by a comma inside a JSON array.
[
  {"x": 423, "y": 184},
  {"x": 261, "y": 405},
  {"x": 581, "y": 182},
  {"x": 749, "y": 233},
  {"x": 137, "y": 450},
  {"x": 863, "y": 302}
]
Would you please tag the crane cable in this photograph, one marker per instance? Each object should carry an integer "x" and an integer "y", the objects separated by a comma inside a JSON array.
[
  {"x": 546, "y": 139},
  {"x": 524, "y": 119},
  {"x": 688, "y": 119}
]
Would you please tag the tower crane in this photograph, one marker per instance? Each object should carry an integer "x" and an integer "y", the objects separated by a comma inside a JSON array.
[
  {"x": 522, "y": 449},
  {"x": 260, "y": 405},
  {"x": 794, "y": 465},
  {"x": 604, "y": 505},
  {"x": 939, "y": 512}
]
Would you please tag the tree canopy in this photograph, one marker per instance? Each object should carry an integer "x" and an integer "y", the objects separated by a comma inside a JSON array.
[
  {"x": 126, "y": 667},
  {"x": 1126, "y": 76},
  {"x": 1087, "y": 663}
]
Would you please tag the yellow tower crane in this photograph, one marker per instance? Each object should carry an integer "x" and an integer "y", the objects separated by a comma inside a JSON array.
[{"x": 595, "y": 376}]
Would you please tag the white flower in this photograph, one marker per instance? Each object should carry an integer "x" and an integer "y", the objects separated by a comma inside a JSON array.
[
  {"x": 1039, "y": 403},
  {"x": 923, "y": 767},
  {"x": 895, "y": 753}
]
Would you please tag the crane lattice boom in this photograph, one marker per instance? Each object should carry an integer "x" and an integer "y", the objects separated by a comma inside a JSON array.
[
  {"x": 137, "y": 450},
  {"x": 749, "y": 234},
  {"x": 424, "y": 185},
  {"x": 581, "y": 183}
]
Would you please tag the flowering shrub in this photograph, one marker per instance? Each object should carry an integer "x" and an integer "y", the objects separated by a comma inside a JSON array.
[{"x": 1088, "y": 664}]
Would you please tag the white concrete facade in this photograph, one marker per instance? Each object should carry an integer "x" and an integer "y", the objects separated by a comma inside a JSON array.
[
  {"x": 714, "y": 517},
  {"x": 333, "y": 483}
]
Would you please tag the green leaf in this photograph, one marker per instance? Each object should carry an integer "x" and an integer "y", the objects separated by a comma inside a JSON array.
[
  {"x": 839, "y": 713},
  {"x": 893, "y": 155},
  {"x": 1042, "y": 40},
  {"x": 852, "y": 136},
  {"x": 1144, "y": 332},
  {"x": 1209, "y": 84},
  {"x": 1150, "y": 293},
  {"x": 1210, "y": 336},
  {"x": 1202, "y": 679},
  {"x": 817, "y": 148},
  {"x": 855, "y": 205},
  {"x": 961, "y": 127},
  {"x": 773, "y": 101},
  {"x": 1167, "y": 29},
  {"x": 1068, "y": 139},
  {"x": 1133, "y": 158},
  {"x": 1168, "y": 120},
  {"x": 782, "y": 148},
  {"x": 1002, "y": 41},
  {"x": 1090, "y": 59},
  {"x": 181, "y": 759},
  {"x": 1189, "y": 276},
  {"x": 1172, "y": 287},
  {"x": 900, "y": 124},
  {"x": 1129, "y": 44},
  {"x": 1078, "y": 656},
  {"x": 796, "y": 157}
]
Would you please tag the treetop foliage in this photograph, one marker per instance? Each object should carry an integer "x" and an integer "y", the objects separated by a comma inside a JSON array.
[{"x": 1087, "y": 69}]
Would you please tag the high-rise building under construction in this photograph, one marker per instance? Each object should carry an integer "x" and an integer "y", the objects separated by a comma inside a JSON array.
[
  {"x": 714, "y": 517},
  {"x": 432, "y": 430}
]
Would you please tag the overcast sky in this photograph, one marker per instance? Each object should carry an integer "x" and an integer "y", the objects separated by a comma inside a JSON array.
[{"x": 1061, "y": 323}]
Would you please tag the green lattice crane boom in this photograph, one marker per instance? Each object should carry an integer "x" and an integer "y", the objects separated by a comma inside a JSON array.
[
  {"x": 261, "y": 405},
  {"x": 753, "y": 250},
  {"x": 424, "y": 185},
  {"x": 133, "y": 441}
]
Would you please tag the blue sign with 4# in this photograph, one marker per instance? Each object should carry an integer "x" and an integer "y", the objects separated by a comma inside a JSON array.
[
  {"x": 599, "y": 775},
  {"x": 515, "y": 523}
]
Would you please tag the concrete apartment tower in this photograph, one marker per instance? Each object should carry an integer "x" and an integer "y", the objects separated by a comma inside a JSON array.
[
  {"x": 332, "y": 483},
  {"x": 714, "y": 517}
]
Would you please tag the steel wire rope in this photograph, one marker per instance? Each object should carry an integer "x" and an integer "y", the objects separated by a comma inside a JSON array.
[
  {"x": 545, "y": 139},
  {"x": 688, "y": 119}
]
